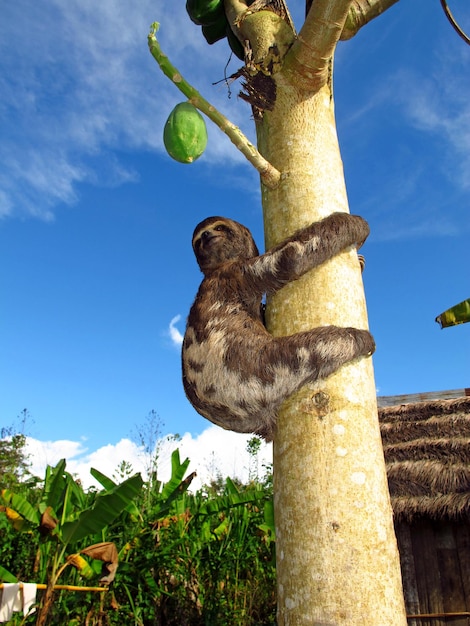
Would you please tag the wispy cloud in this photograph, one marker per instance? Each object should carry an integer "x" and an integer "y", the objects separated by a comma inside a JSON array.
[
  {"x": 213, "y": 453},
  {"x": 418, "y": 129},
  {"x": 86, "y": 87},
  {"x": 175, "y": 334},
  {"x": 440, "y": 106}
]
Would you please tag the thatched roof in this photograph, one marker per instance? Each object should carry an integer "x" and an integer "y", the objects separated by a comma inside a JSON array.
[{"x": 427, "y": 453}]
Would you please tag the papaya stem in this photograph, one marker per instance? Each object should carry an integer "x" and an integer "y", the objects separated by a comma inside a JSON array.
[{"x": 270, "y": 176}]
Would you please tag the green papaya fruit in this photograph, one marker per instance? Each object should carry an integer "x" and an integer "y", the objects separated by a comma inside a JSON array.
[
  {"x": 216, "y": 31},
  {"x": 234, "y": 43},
  {"x": 185, "y": 133},
  {"x": 204, "y": 12}
]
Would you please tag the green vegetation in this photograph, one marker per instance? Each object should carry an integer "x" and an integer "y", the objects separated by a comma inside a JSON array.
[
  {"x": 14, "y": 462},
  {"x": 183, "y": 558}
]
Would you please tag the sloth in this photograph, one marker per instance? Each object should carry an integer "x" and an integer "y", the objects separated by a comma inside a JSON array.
[{"x": 235, "y": 373}]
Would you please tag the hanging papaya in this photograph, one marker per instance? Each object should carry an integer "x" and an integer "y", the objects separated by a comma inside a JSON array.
[
  {"x": 205, "y": 11},
  {"x": 185, "y": 133},
  {"x": 235, "y": 45},
  {"x": 216, "y": 31}
]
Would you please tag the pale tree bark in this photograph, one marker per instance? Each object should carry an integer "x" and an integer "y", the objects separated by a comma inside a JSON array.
[
  {"x": 337, "y": 557},
  {"x": 361, "y": 12}
]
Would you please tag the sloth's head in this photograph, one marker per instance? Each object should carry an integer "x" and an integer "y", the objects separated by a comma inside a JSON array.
[{"x": 217, "y": 240}]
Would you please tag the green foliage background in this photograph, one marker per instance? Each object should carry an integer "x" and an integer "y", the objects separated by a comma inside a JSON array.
[{"x": 184, "y": 558}]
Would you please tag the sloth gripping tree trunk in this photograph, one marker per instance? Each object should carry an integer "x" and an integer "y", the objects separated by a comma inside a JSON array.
[{"x": 337, "y": 558}]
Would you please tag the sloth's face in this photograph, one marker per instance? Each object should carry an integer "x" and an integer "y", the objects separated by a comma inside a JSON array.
[{"x": 217, "y": 240}]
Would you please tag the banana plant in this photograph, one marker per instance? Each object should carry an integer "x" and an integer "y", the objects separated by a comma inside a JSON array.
[
  {"x": 65, "y": 516},
  {"x": 209, "y": 548},
  {"x": 161, "y": 500},
  {"x": 163, "y": 495}
]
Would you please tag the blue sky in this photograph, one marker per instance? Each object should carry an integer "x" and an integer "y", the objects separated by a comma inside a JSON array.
[{"x": 97, "y": 272}]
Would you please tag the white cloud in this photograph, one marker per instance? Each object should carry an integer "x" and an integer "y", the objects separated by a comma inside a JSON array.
[
  {"x": 175, "y": 334},
  {"x": 220, "y": 452},
  {"x": 43, "y": 453},
  {"x": 215, "y": 452},
  {"x": 91, "y": 87},
  {"x": 441, "y": 107},
  {"x": 419, "y": 183}
]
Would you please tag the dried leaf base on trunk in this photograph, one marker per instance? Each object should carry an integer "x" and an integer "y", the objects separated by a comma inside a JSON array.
[{"x": 337, "y": 557}]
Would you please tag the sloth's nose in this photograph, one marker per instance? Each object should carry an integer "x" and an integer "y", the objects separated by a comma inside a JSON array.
[{"x": 207, "y": 234}]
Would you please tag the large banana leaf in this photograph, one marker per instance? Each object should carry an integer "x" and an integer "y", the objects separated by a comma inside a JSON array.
[
  {"x": 269, "y": 527},
  {"x": 21, "y": 506},
  {"x": 61, "y": 495},
  {"x": 55, "y": 482},
  {"x": 458, "y": 314},
  {"x": 172, "y": 491},
  {"x": 178, "y": 470},
  {"x": 109, "y": 484},
  {"x": 232, "y": 499},
  {"x": 105, "y": 481},
  {"x": 106, "y": 508}
]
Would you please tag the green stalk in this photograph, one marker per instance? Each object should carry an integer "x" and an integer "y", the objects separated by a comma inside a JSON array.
[{"x": 270, "y": 176}]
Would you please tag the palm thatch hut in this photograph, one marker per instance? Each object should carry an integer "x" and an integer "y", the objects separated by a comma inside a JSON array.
[{"x": 426, "y": 441}]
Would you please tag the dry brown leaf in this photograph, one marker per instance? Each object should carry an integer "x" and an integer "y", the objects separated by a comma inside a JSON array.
[
  {"x": 48, "y": 522},
  {"x": 105, "y": 551}
]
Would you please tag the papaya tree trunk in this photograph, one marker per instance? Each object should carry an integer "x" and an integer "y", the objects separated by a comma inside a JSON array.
[{"x": 337, "y": 557}]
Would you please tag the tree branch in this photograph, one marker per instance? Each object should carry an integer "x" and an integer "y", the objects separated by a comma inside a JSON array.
[
  {"x": 265, "y": 30},
  {"x": 307, "y": 64},
  {"x": 361, "y": 12},
  {"x": 270, "y": 176}
]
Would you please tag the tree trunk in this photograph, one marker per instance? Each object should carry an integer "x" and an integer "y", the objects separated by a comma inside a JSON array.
[
  {"x": 46, "y": 604},
  {"x": 337, "y": 558}
]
